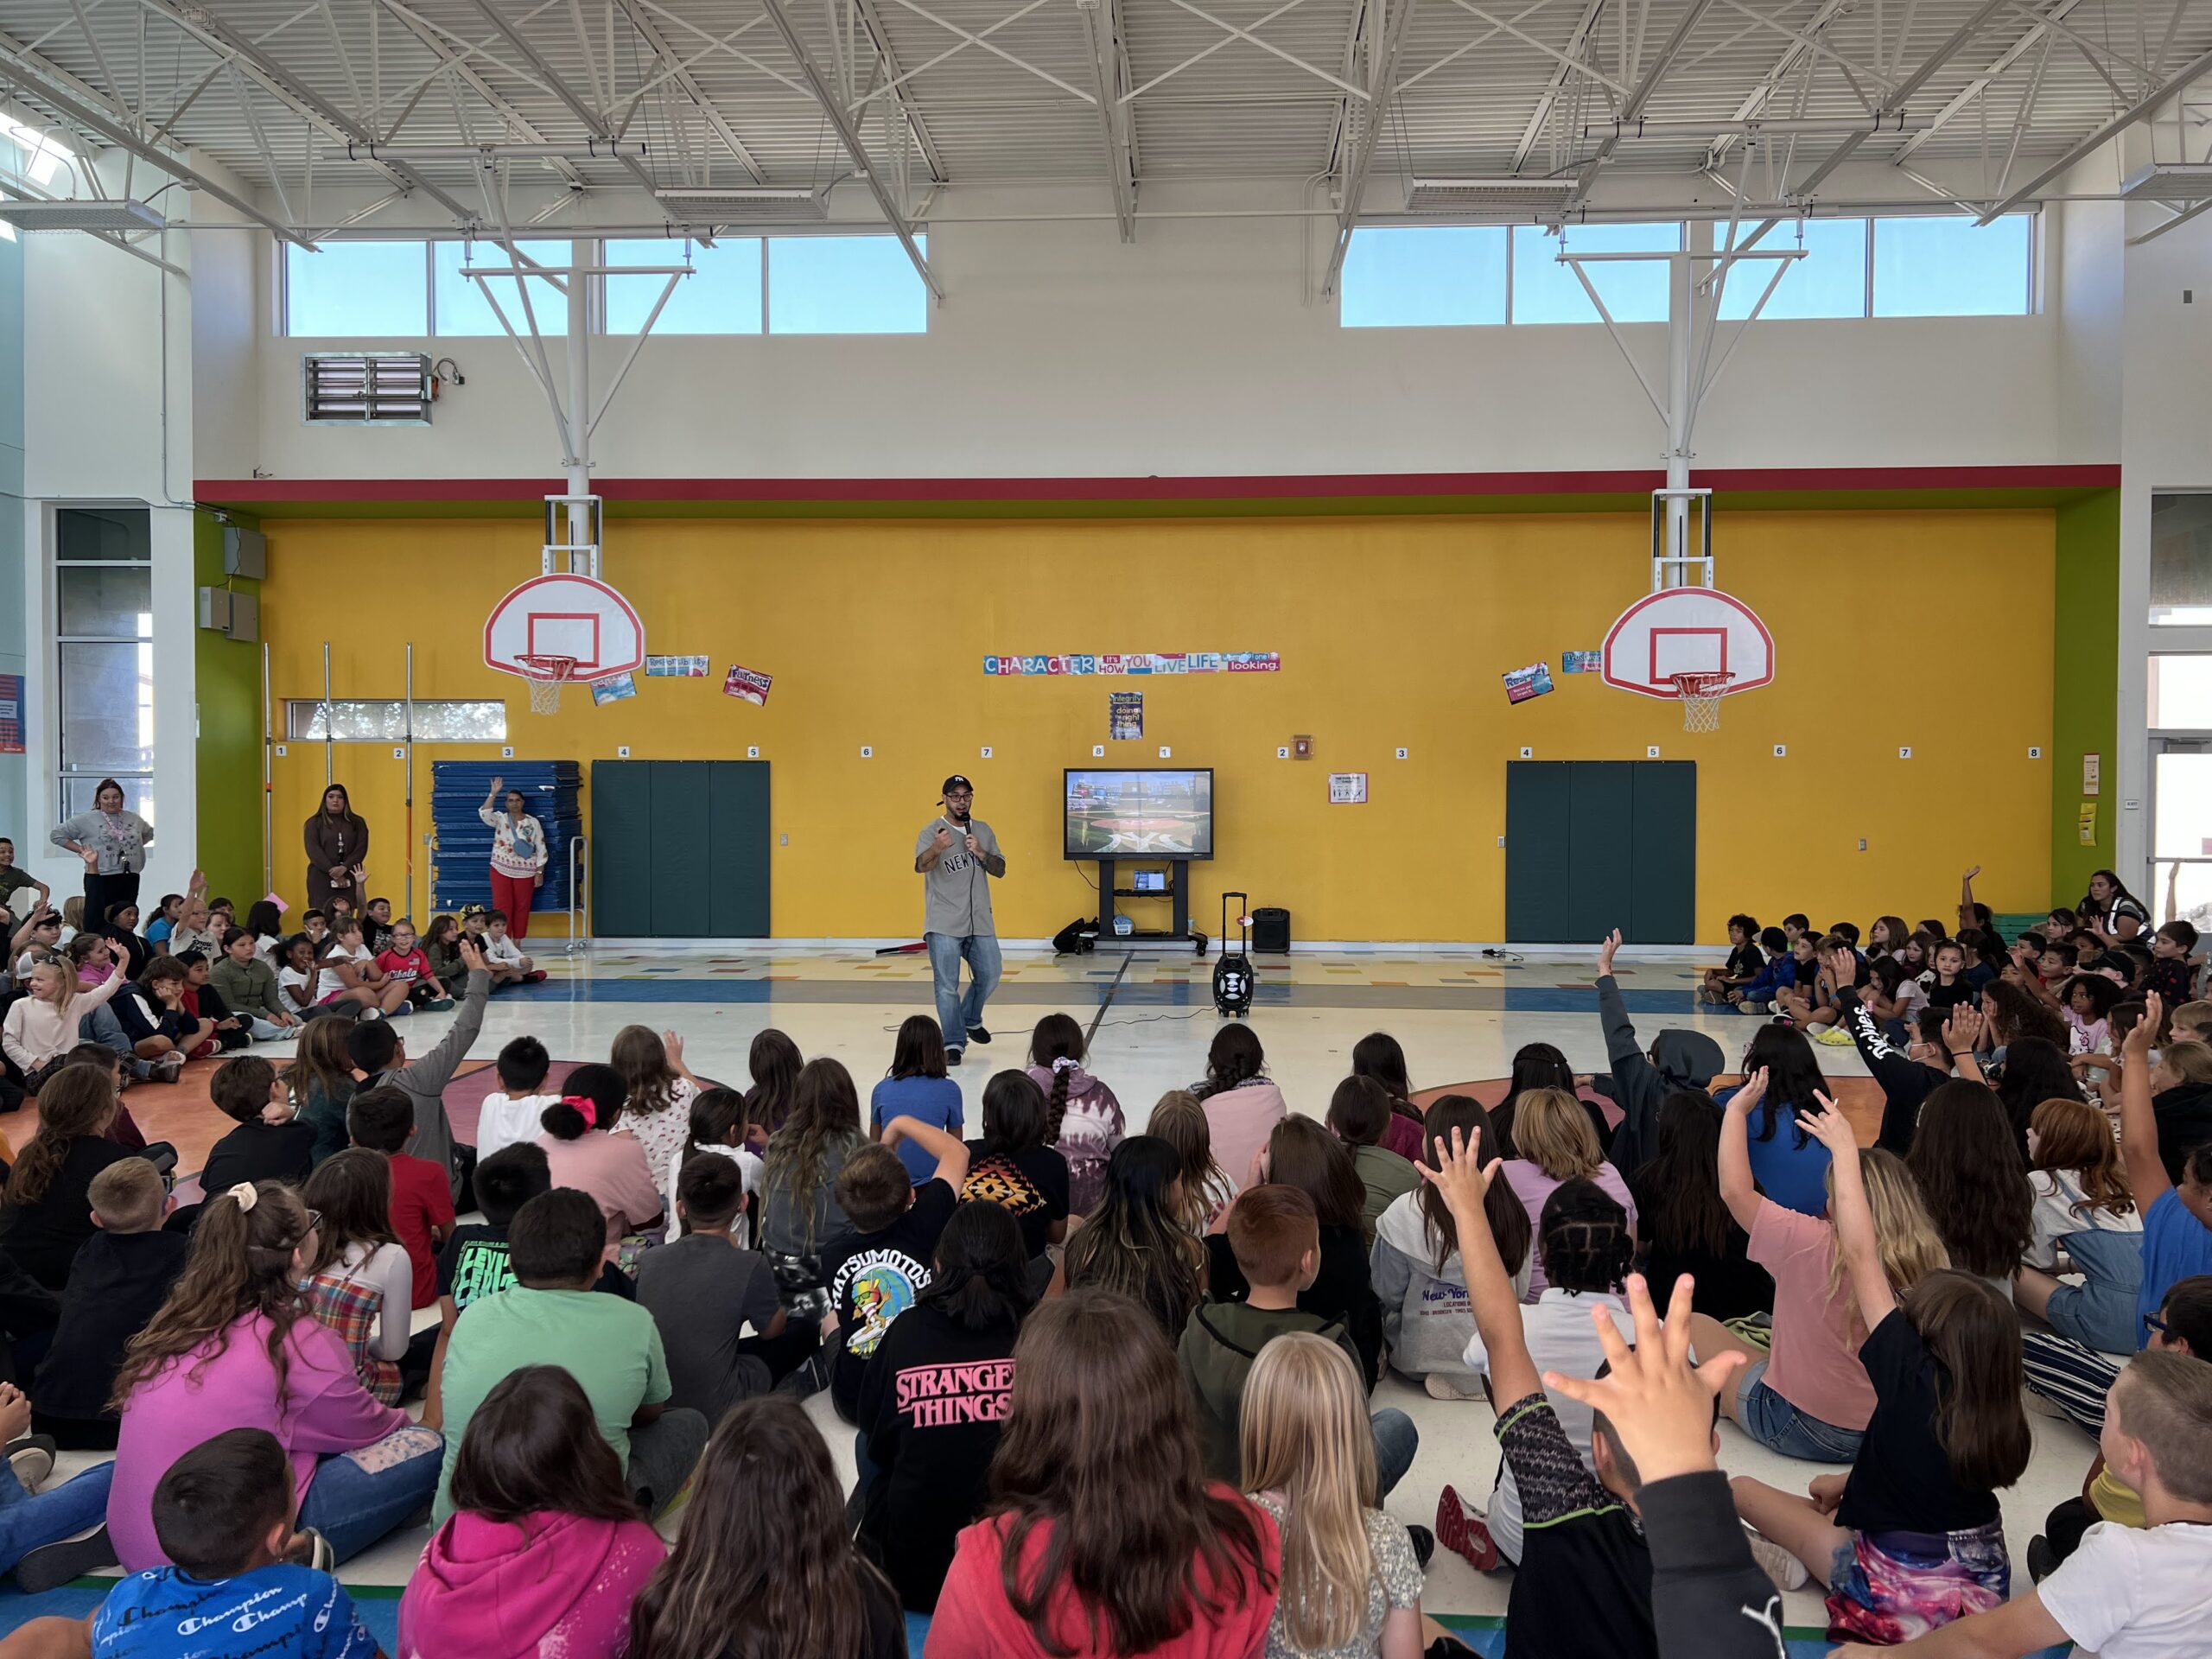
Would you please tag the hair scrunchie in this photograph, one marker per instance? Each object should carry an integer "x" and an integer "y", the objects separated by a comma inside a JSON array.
[
  {"x": 246, "y": 1194},
  {"x": 1064, "y": 1064},
  {"x": 584, "y": 1108}
]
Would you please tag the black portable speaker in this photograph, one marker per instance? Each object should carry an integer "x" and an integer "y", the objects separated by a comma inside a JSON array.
[{"x": 1271, "y": 931}]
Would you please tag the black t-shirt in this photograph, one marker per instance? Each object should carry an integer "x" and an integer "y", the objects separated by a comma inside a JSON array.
[
  {"x": 1729, "y": 1285},
  {"x": 1584, "y": 1583},
  {"x": 475, "y": 1264},
  {"x": 874, "y": 1278},
  {"x": 2183, "y": 1115},
  {"x": 1961, "y": 989},
  {"x": 932, "y": 1402},
  {"x": 118, "y": 1284},
  {"x": 1746, "y": 961},
  {"x": 259, "y": 1152},
  {"x": 44, "y": 1235},
  {"x": 1903, "y": 1480},
  {"x": 1342, "y": 1290},
  {"x": 1032, "y": 1184}
]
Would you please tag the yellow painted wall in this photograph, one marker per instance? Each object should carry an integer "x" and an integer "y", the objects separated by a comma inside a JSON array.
[{"x": 1392, "y": 631}]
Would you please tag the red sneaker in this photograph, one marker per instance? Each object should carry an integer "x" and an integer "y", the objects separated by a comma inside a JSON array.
[
  {"x": 1466, "y": 1534},
  {"x": 536, "y": 976}
]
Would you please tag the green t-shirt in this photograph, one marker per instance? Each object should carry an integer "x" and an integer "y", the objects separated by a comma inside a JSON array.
[{"x": 610, "y": 1346}]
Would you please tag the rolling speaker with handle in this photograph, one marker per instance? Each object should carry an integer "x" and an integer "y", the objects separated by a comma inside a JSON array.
[{"x": 1271, "y": 931}]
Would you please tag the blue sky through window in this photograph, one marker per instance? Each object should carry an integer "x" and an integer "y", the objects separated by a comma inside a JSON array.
[
  {"x": 356, "y": 287},
  {"x": 1830, "y": 281},
  {"x": 844, "y": 285},
  {"x": 724, "y": 297},
  {"x": 1430, "y": 276},
  {"x": 1951, "y": 267}
]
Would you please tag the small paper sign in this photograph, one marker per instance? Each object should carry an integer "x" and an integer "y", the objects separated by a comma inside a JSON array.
[
  {"x": 676, "y": 668},
  {"x": 2092, "y": 774},
  {"x": 613, "y": 688},
  {"x": 271, "y": 898},
  {"x": 1125, "y": 716},
  {"x": 1347, "y": 789},
  {"x": 1580, "y": 662},
  {"x": 745, "y": 684},
  {"x": 1522, "y": 684},
  {"x": 2089, "y": 823}
]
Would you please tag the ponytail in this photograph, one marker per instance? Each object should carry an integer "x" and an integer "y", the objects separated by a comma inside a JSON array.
[
  {"x": 1057, "y": 1043},
  {"x": 1056, "y": 1103}
]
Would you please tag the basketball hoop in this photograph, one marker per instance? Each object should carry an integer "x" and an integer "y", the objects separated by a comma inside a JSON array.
[
  {"x": 1701, "y": 695},
  {"x": 546, "y": 675}
]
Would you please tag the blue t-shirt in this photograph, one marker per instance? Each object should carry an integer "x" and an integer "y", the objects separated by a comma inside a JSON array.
[
  {"x": 2176, "y": 1246},
  {"x": 281, "y": 1611},
  {"x": 1794, "y": 1176},
  {"x": 933, "y": 1101},
  {"x": 160, "y": 928}
]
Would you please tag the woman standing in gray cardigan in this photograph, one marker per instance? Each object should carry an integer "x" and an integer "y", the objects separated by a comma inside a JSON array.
[{"x": 112, "y": 843}]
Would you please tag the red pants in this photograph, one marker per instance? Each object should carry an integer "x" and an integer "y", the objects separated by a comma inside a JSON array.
[{"x": 512, "y": 893}]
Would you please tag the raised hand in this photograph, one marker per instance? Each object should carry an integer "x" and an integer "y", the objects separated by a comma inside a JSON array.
[
  {"x": 2141, "y": 1036},
  {"x": 1659, "y": 1405},
  {"x": 1962, "y": 1030},
  {"x": 1972, "y": 873},
  {"x": 674, "y": 1045},
  {"x": 1457, "y": 1173},
  {"x": 1842, "y": 968},
  {"x": 1829, "y": 1126},
  {"x": 1606, "y": 947},
  {"x": 496, "y": 782},
  {"x": 471, "y": 958},
  {"x": 1748, "y": 1097}
]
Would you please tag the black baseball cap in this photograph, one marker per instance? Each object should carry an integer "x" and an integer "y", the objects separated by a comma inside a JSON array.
[{"x": 956, "y": 782}]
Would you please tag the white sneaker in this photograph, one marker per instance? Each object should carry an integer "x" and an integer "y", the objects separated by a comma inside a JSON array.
[
  {"x": 1785, "y": 1570},
  {"x": 1441, "y": 1387},
  {"x": 167, "y": 1069}
]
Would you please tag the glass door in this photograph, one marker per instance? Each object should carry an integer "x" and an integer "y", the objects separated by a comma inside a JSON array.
[{"x": 2180, "y": 828}]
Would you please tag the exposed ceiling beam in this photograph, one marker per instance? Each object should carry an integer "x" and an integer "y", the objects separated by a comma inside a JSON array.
[
  {"x": 1770, "y": 83},
  {"x": 1982, "y": 82},
  {"x": 593, "y": 121},
  {"x": 516, "y": 120},
  {"x": 898, "y": 80},
  {"x": 2127, "y": 118},
  {"x": 95, "y": 120},
  {"x": 825, "y": 96},
  {"x": 658, "y": 44},
  {"x": 1565, "y": 67},
  {"x": 1640, "y": 95},
  {"x": 1102, "y": 28},
  {"x": 1382, "y": 61}
]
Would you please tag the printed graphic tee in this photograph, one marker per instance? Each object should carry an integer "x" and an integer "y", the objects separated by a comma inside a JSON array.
[{"x": 874, "y": 1278}]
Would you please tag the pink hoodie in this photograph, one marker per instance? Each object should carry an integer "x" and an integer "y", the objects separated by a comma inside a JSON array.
[{"x": 552, "y": 1584}]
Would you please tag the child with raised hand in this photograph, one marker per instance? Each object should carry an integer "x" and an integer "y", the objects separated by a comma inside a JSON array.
[
  {"x": 1082, "y": 1116},
  {"x": 1584, "y": 1583},
  {"x": 1911, "y": 1538},
  {"x": 2127, "y": 1592},
  {"x": 657, "y": 1110},
  {"x": 2083, "y": 1207},
  {"x": 1808, "y": 1397},
  {"x": 916, "y": 1086}
]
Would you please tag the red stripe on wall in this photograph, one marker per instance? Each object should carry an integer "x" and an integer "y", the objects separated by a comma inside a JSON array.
[{"x": 1264, "y": 486}]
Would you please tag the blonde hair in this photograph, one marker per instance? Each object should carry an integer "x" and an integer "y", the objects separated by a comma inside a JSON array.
[
  {"x": 1304, "y": 1435},
  {"x": 128, "y": 1196},
  {"x": 1180, "y": 1121},
  {"x": 2190, "y": 1062},
  {"x": 2194, "y": 1017},
  {"x": 66, "y": 976},
  {"x": 1904, "y": 1233},
  {"x": 1552, "y": 1131}
]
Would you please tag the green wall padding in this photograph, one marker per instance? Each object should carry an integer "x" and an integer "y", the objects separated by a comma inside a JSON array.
[
  {"x": 2085, "y": 686},
  {"x": 227, "y": 685}
]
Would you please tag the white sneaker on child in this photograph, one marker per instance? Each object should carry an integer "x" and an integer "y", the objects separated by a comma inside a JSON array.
[{"x": 1785, "y": 1570}]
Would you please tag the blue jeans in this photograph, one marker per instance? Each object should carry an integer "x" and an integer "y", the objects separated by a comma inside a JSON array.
[
  {"x": 267, "y": 1031},
  {"x": 1395, "y": 1441},
  {"x": 1780, "y": 1426},
  {"x": 960, "y": 1015},
  {"x": 353, "y": 1507},
  {"x": 29, "y": 1520},
  {"x": 103, "y": 1027}
]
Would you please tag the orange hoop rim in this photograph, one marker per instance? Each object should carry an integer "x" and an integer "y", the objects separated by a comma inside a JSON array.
[
  {"x": 539, "y": 666},
  {"x": 1702, "y": 684}
]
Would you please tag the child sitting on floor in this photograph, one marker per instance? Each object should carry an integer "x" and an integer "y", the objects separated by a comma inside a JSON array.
[
  {"x": 1916, "y": 1540},
  {"x": 359, "y": 1281},
  {"x": 349, "y": 974},
  {"x": 270, "y": 1144},
  {"x": 382, "y": 1119},
  {"x": 1359, "y": 1114},
  {"x": 916, "y": 1086},
  {"x": 509, "y": 964},
  {"x": 442, "y": 945},
  {"x": 117, "y": 1283},
  {"x": 404, "y": 962},
  {"x": 704, "y": 1289},
  {"x": 1742, "y": 967},
  {"x": 512, "y": 1113}
]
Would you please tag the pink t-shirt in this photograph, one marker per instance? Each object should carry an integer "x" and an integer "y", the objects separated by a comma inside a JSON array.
[
  {"x": 549, "y": 1585},
  {"x": 1240, "y": 1121},
  {"x": 1815, "y": 1365},
  {"x": 324, "y": 1410},
  {"x": 612, "y": 1169},
  {"x": 1532, "y": 1187}
]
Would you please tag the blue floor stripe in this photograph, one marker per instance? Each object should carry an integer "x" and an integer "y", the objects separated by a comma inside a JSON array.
[{"x": 1513, "y": 999}]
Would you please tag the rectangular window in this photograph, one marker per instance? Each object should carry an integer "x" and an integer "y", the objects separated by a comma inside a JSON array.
[
  {"x": 2180, "y": 697},
  {"x": 1424, "y": 276},
  {"x": 2181, "y": 560},
  {"x": 352, "y": 288},
  {"x": 844, "y": 285},
  {"x": 1946, "y": 267},
  {"x": 104, "y": 655},
  {"x": 384, "y": 720},
  {"x": 1546, "y": 290},
  {"x": 458, "y": 305},
  {"x": 1830, "y": 281},
  {"x": 722, "y": 297}
]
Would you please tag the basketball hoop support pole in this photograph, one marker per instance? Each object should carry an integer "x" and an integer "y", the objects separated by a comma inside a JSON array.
[{"x": 1681, "y": 298}]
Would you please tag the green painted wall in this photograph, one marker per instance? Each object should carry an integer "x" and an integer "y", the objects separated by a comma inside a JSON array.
[
  {"x": 228, "y": 684},
  {"x": 2085, "y": 686}
]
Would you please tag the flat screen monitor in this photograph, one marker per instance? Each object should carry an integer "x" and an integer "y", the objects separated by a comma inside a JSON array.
[{"x": 1145, "y": 812}]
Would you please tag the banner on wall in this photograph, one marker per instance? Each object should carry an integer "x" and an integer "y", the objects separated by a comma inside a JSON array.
[
  {"x": 676, "y": 668},
  {"x": 1141, "y": 662},
  {"x": 12, "y": 713},
  {"x": 748, "y": 684},
  {"x": 613, "y": 688},
  {"x": 1124, "y": 716},
  {"x": 1581, "y": 662},
  {"x": 1522, "y": 684}
]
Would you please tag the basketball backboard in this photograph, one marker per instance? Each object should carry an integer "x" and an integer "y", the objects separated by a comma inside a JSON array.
[
  {"x": 566, "y": 616},
  {"x": 1687, "y": 630}
]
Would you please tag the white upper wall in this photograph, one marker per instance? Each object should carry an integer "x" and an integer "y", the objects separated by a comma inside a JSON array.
[{"x": 1194, "y": 351}]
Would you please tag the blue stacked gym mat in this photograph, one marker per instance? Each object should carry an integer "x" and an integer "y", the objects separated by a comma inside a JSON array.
[{"x": 460, "y": 866}]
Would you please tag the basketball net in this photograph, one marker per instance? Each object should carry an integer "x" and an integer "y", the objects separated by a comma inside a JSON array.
[
  {"x": 545, "y": 676},
  {"x": 1701, "y": 695}
]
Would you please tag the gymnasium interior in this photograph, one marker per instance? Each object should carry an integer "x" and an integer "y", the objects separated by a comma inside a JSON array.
[{"x": 1518, "y": 473}]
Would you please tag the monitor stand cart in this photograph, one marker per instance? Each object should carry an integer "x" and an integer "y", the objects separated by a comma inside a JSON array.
[{"x": 1178, "y": 894}]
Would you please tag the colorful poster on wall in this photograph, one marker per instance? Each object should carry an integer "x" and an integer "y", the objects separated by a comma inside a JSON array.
[
  {"x": 676, "y": 668},
  {"x": 2093, "y": 767},
  {"x": 2089, "y": 823},
  {"x": 1347, "y": 789},
  {"x": 1522, "y": 684},
  {"x": 747, "y": 684},
  {"x": 12, "y": 713},
  {"x": 1580, "y": 662},
  {"x": 1124, "y": 716},
  {"x": 1141, "y": 662},
  {"x": 613, "y": 688}
]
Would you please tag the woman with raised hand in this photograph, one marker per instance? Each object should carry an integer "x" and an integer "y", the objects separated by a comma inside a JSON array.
[{"x": 518, "y": 856}]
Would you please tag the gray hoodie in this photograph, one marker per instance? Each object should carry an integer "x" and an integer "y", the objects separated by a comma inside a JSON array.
[
  {"x": 424, "y": 1081},
  {"x": 1427, "y": 1318}
]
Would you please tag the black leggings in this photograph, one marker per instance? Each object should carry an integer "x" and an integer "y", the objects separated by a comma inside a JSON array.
[{"x": 101, "y": 891}]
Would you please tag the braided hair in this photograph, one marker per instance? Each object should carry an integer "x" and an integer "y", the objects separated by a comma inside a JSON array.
[{"x": 1057, "y": 1043}]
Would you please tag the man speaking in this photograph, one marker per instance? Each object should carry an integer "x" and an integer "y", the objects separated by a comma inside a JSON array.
[{"x": 957, "y": 855}]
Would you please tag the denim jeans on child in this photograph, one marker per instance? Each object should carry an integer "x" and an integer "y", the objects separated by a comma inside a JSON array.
[
  {"x": 30, "y": 1520},
  {"x": 359, "y": 1496}
]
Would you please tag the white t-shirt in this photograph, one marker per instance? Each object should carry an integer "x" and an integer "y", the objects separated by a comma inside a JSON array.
[
  {"x": 505, "y": 951},
  {"x": 505, "y": 1119},
  {"x": 2054, "y": 1217},
  {"x": 749, "y": 1168},
  {"x": 2135, "y": 1593},
  {"x": 331, "y": 984}
]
